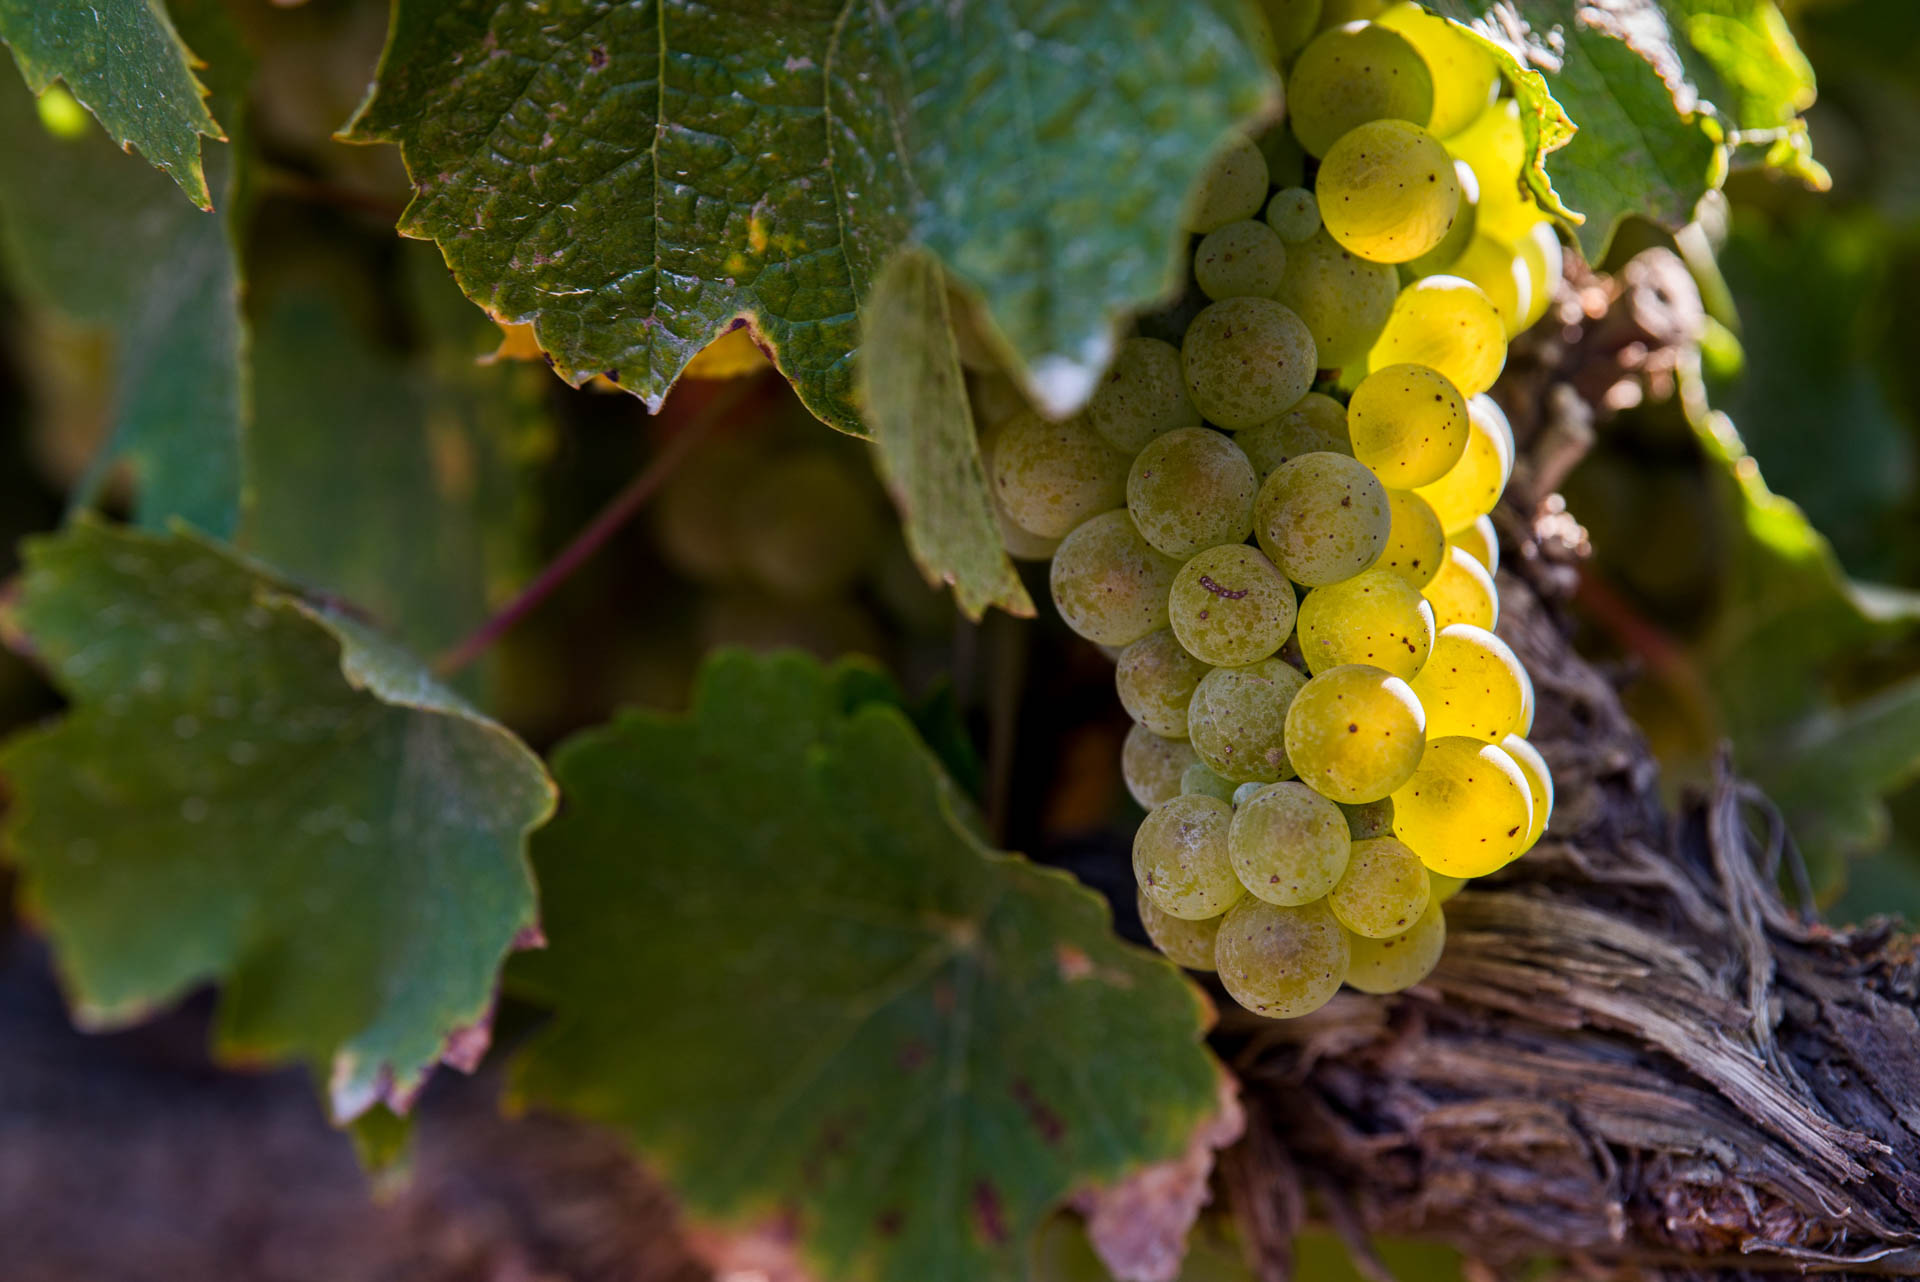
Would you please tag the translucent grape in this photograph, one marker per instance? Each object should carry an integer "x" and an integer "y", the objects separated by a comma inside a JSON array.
[
  {"x": 1349, "y": 75},
  {"x": 1375, "y": 618},
  {"x": 1464, "y": 75},
  {"x": 1382, "y": 966},
  {"x": 1501, "y": 276},
  {"x": 1539, "y": 784},
  {"x": 815, "y": 524},
  {"x": 1416, "y": 545},
  {"x": 1495, "y": 147},
  {"x": 1471, "y": 685},
  {"x": 1155, "y": 677},
  {"x": 1543, "y": 261},
  {"x": 1463, "y": 592},
  {"x": 1343, "y": 299},
  {"x": 1315, "y": 424},
  {"x": 1466, "y": 222},
  {"x": 1050, "y": 477},
  {"x": 1200, "y": 778},
  {"x": 1525, "y": 725},
  {"x": 1229, "y": 606},
  {"x": 1479, "y": 541},
  {"x": 1152, "y": 766},
  {"x": 1185, "y": 943},
  {"x": 1288, "y": 844},
  {"x": 1447, "y": 324},
  {"x": 1281, "y": 962},
  {"x": 1443, "y": 886},
  {"x": 1408, "y": 424},
  {"x": 1388, "y": 191},
  {"x": 1233, "y": 186},
  {"x": 1368, "y": 819},
  {"x": 1354, "y": 734},
  {"x": 1293, "y": 23},
  {"x": 1246, "y": 360},
  {"x": 1191, "y": 489},
  {"x": 1240, "y": 259},
  {"x": 1294, "y": 214},
  {"x": 1180, "y": 858},
  {"x": 1238, "y": 720},
  {"x": 1466, "y": 810},
  {"x": 1383, "y": 891},
  {"x": 1322, "y": 518},
  {"x": 1142, "y": 395},
  {"x": 1472, "y": 487},
  {"x": 1109, "y": 584}
]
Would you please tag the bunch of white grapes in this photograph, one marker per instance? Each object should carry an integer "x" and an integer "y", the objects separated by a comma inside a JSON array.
[{"x": 1279, "y": 526}]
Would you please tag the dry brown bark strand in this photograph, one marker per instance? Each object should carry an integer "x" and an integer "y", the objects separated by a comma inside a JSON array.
[{"x": 1633, "y": 1055}]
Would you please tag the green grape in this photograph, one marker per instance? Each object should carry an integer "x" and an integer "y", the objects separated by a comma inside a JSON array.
[
  {"x": 1463, "y": 592},
  {"x": 1180, "y": 857},
  {"x": 1388, "y": 191},
  {"x": 1501, "y": 276},
  {"x": 1355, "y": 733},
  {"x": 995, "y": 397},
  {"x": 1381, "y": 966},
  {"x": 1246, "y": 360},
  {"x": 1142, "y": 395},
  {"x": 1472, "y": 487},
  {"x": 1052, "y": 476},
  {"x": 1543, "y": 261},
  {"x": 1199, "y": 778},
  {"x": 1229, "y": 606},
  {"x": 1466, "y": 810},
  {"x": 1316, "y": 424},
  {"x": 1021, "y": 545},
  {"x": 1109, "y": 584},
  {"x": 1447, "y": 324},
  {"x": 1238, "y": 720},
  {"x": 1156, "y": 676},
  {"x": 1408, "y": 424},
  {"x": 1293, "y": 23},
  {"x": 1524, "y": 726},
  {"x": 1478, "y": 541},
  {"x": 1368, "y": 819},
  {"x": 1245, "y": 259},
  {"x": 1234, "y": 186},
  {"x": 1190, "y": 490},
  {"x": 1443, "y": 886},
  {"x": 1294, "y": 214},
  {"x": 1286, "y": 163},
  {"x": 1343, "y": 299},
  {"x": 815, "y": 526},
  {"x": 1280, "y": 962},
  {"x": 1466, "y": 223},
  {"x": 1465, "y": 78},
  {"x": 1383, "y": 891},
  {"x": 1347, "y": 76},
  {"x": 1288, "y": 844},
  {"x": 1373, "y": 618},
  {"x": 1539, "y": 784},
  {"x": 1322, "y": 518},
  {"x": 1243, "y": 793},
  {"x": 1185, "y": 943},
  {"x": 1152, "y": 766},
  {"x": 695, "y": 522},
  {"x": 1471, "y": 685},
  {"x": 1416, "y": 545}
]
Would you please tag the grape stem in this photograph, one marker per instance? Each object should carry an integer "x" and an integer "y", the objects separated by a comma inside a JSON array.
[{"x": 621, "y": 509}]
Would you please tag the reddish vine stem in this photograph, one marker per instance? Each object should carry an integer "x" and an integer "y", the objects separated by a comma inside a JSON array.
[{"x": 623, "y": 508}]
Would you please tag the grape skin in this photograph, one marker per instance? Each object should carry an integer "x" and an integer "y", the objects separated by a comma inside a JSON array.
[
  {"x": 1388, "y": 191},
  {"x": 815, "y": 525},
  {"x": 1316, "y": 424},
  {"x": 1472, "y": 685},
  {"x": 1322, "y": 518},
  {"x": 1343, "y": 299},
  {"x": 1200, "y": 778},
  {"x": 1416, "y": 545},
  {"x": 1186, "y": 943},
  {"x": 1143, "y": 395},
  {"x": 1472, "y": 487},
  {"x": 1465, "y": 78},
  {"x": 1539, "y": 784},
  {"x": 1478, "y": 541},
  {"x": 1246, "y": 360},
  {"x": 1355, "y": 734},
  {"x": 1463, "y": 592},
  {"x": 1049, "y": 477},
  {"x": 1383, "y": 891},
  {"x": 1109, "y": 585},
  {"x": 1191, "y": 489},
  {"x": 1180, "y": 857},
  {"x": 1408, "y": 424},
  {"x": 1238, "y": 720},
  {"x": 1443, "y": 886},
  {"x": 1502, "y": 277},
  {"x": 1288, "y": 844},
  {"x": 1466, "y": 810},
  {"x": 1155, "y": 677},
  {"x": 1373, "y": 618},
  {"x": 1382, "y": 966},
  {"x": 1230, "y": 606},
  {"x": 1347, "y": 76},
  {"x": 1368, "y": 819},
  {"x": 1448, "y": 324},
  {"x": 1281, "y": 962},
  {"x": 1153, "y": 767},
  {"x": 1294, "y": 213},
  {"x": 1232, "y": 188},
  {"x": 1240, "y": 259}
]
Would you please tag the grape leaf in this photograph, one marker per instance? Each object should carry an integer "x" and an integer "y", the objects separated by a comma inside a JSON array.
[
  {"x": 108, "y": 243},
  {"x": 125, "y": 63},
  {"x": 916, "y": 402},
  {"x": 1743, "y": 57},
  {"x": 785, "y": 965},
  {"x": 256, "y": 789},
  {"x": 631, "y": 176}
]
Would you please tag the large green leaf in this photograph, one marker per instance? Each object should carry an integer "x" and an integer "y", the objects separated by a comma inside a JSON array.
[
  {"x": 630, "y": 176},
  {"x": 108, "y": 243},
  {"x": 123, "y": 60},
  {"x": 255, "y": 789},
  {"x": 786, "y": 966}
]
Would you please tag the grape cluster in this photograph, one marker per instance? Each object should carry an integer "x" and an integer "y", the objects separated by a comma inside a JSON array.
[{"x": 1274, "y": 513}]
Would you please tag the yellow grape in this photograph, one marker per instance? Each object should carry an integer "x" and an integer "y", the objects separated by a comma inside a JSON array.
[
  {"x": 1472, "y": 685},
  {"x": 1539, "y": 784},
  {"x": 1322, "y": 518},
  {"x": 1525, "y": 725},
  {"x": 1281, "y": 962},
  {"x": 1049, "y": 477},
  {"x": 1443, "y": 886},
  {"x": 1191, "y": 489},
  {"x": 1466, "y": 810},
  {"x": 1109, "y": 584},
  {"x": 1448, "y": 324},
  {"x": 1472, "y": 487},
  {"x": 1383, "y": 891},
  {"x": 1288, "y": 844},
  {"x": 1416, "y": 545},
  {"x": 1375, "y": 618},
  {"x": 1152, "y": 766},
  {"x": 1229, "y": 605},
  {"x": 1292, "y": 23},
  {"x": 1246, "y": 360},
  {"x": 1388, "y": 191},
  {"x": 1142, "y": 395},
  {"x": 1478, "y": 541},
  {"x": 1317, "y": 423},
  {"x": 1543, "y": 260},
  {"x": 1233, "y": 186},
  {"x": 1155, "y": 677},
  {"x": 1237, "y": 259},
  {"x": 1343, "y": 299},
  {"x": 1502, "y": 277},
  {"x": 1494, "y": 146},
  {"x": 1238, "y": 720},
  {"x": 1185, "y": 943},
  {"x": 1466, "y": 222},
  {"x": 1382, "y": 966},
  {"x": 1349, "y": 75},
  {"x": 1465, "y": 77},
  {"x": 1355, "y": 733},
  {"x": 1180, "y": 857},
  {"x": 1463, "y": 592},
  {"x": 1407, "y": 423}
]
